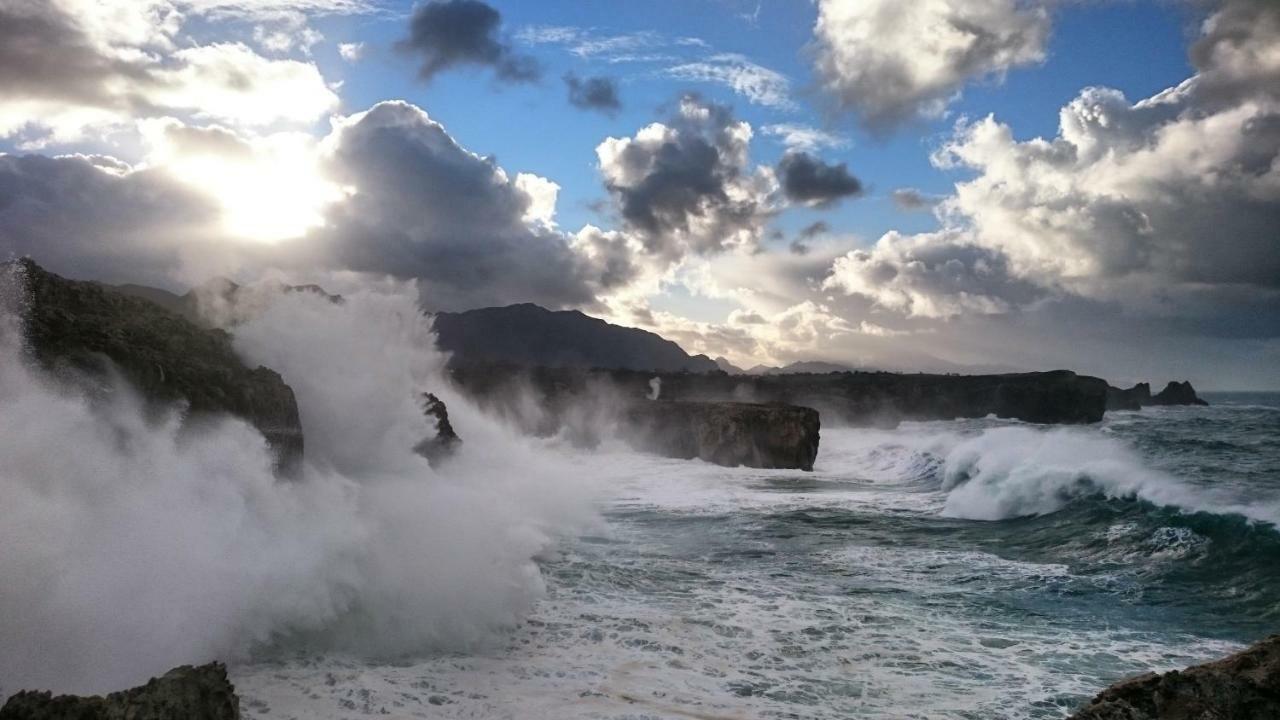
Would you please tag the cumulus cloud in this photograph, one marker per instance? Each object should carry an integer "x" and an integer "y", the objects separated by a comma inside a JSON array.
[
  {"x": 118, "y": 61},
  {"x": 809, "y": 181},
  {"x": 593, "y": 93},
  {"x": 1166, "y": 206},
  {"x": 887, "y": 61},
  {"x": 685, "y": 185},
  {"x": 351, "y": 51},
  {"x": 448, "y": 33}
]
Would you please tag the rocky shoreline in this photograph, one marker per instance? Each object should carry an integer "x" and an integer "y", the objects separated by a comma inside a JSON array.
[{"x": 1243, "y": 686}]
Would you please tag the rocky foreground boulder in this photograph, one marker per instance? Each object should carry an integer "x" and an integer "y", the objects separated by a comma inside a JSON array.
[
  {"x": 85, "y": 330},
  {"x": 725, "y": 433},
  {"x": 1244, "y": 686},
  {"x": 184, "y": 693}
]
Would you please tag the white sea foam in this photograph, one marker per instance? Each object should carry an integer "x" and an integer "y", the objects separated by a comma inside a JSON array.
[{"x": 131, "y": 546}]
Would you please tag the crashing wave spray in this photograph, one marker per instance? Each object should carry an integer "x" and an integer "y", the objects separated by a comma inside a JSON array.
[{"x": 132, "y": 545}]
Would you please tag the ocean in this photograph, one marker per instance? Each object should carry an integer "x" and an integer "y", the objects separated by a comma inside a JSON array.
[{"x": 966, "y": 569}]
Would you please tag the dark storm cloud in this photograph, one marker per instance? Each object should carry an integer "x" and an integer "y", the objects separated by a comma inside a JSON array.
[
  {"x": 447, "y": 33},
  {"x": 427, "y": 208},
  {"x": 687, "y": 188},
  {"x": 808, "y": 180},
  {"x": 73, "y": 216},
  {"x": 593, "y": 93}
]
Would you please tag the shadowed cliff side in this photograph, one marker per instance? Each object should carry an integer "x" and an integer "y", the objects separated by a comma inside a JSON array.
[
  {"x": 1139, "y": 396},
  {"x": 725, "y": 433},
  {"x": 184, "y": 693},
  {"x": 851, "y": 398},
  {"x": 84, "y": 329},
  {"x": 1244, "y": 686}
]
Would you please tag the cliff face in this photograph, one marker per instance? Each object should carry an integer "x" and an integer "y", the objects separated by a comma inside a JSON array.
[
  {"x": 1244, "y": 685},
  {"x": 1177, "y": 393},
  {"x": 725, "y": 433},
  {"x": 79, "y": 326},
  {"x": 190, "y": 693},
  {"x": 859, "y": 398}
]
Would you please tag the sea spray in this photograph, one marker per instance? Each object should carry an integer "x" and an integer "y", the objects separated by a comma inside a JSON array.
[{"x": 133, "y": 544}]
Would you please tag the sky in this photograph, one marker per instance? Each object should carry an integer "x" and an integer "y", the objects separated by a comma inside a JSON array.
[{"x": 941, "y": 185}]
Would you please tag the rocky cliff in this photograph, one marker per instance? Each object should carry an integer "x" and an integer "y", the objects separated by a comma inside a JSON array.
[
  {"x": 1139, "y": 396},
  {"x": 1244, "y": 686},
  {"x": 852, "y": 398},
  {"x": 185, "y": 693},
  {"x": 725, "y": 433},
  {"x": 82, "y": 329}
]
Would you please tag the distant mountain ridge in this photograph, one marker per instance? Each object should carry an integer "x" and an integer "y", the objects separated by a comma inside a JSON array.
[{"x": 528, "y": 334}]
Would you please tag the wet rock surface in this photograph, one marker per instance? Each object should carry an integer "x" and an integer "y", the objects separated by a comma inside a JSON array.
[
  {"x": 1244, "y": 686},
  {"x": 446, "y": 440},
  {"x": 726, "y": 433},
  {"x": 184, "y": 693},
  {"x": 87, "y": 330}
]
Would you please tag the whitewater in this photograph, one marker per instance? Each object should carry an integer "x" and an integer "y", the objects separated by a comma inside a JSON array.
[{"x": 965, "y": 569}]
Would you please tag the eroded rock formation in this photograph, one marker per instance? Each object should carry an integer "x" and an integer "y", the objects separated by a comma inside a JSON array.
[
  {"x": 84, "y": 329},
  {"x": 446, "y": 440},
  {"x": 184, "y": 693},
  {"x": 1139, "y": 396},
  {"x": 1244, "y": 686},
  {"x": 725, "y": 433}
]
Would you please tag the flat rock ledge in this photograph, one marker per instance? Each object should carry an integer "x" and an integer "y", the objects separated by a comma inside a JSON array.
[
  {"x": 184, "y": 693},
  {"x": 1244, "y": 686},
  {"x": 725, "y": 433}
]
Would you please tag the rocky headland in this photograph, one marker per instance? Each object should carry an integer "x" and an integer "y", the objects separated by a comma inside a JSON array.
[
  {"x": 84, "y": 331},
  {"x": 725, "y": 433}
]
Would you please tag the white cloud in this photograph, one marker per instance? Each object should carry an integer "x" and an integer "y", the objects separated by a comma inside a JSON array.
[
  {"x": 889, "y": 61},
  {"x": 796, "y": 136},
  {"x": 756, "y": 83},
  {"x": 352, "y": 51}
]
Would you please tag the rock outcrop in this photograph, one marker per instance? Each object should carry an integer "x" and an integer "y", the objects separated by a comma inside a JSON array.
[
  {"x": 1244, "y": 686},
  {"x": 1139, "y": 396},
  {"x": 83, "y": 329},
  {"x": 184, "y": 693},
  {"x": 446, "y": 440},
  {"x": 850, "y": 398},
  {"x": 725, "y": 433},
  {"x": 1177, "y": 393}
]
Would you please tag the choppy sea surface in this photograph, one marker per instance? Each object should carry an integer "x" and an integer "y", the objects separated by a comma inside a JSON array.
[{"x": 967, "y": 569}]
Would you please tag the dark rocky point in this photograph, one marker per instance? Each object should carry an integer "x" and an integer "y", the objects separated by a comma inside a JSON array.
[
  {"x": 1244, "y": 686},
  {"x": 1139, "y": 396},
  {"x": 726, "y": 433},
  {"x": 446, "y": 440},
  {"x": 184, "y": 693},
  {"x": 83, "y": 330},
  {"x": 1177, "y": 393}
]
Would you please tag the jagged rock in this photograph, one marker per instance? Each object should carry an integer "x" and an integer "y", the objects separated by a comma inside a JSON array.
[
  {"x": 184, "y": 693},
  {"x": 726, "y": 433},
  {"x": 1177, "y": 393},
  {"x": 1244, "y": 686},
  {"x": 446, "y": 440},
  {"x": 1132, "y": 399},
  {"x": 75, "y": 327}
]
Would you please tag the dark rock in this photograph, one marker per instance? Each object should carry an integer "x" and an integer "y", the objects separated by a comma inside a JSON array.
[
  {"x": 1177, "y": 393},
  {"x": 184, "y": 693},
  {"x": 446, "y": 440},
  {"x": 531, "y": 336},
  {"x": 83, "y": 329},
  {"x": 1132, "y": 399},
  {"x": 849, "y": 398},
  {"x": 726, "y": 433},
  {"x": 1244, "y": 686}
]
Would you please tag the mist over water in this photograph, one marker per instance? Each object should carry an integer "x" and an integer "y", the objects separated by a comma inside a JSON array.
[{"x": 133, "y": 544}]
